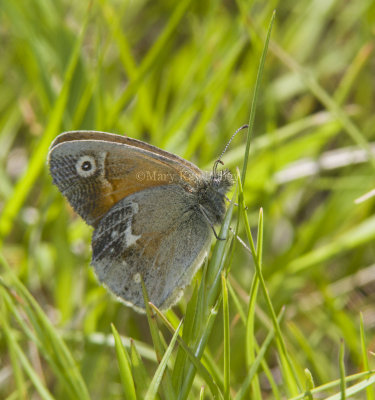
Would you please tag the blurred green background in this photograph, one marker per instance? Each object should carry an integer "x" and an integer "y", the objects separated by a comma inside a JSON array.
[{"x": 180, "y": 75}]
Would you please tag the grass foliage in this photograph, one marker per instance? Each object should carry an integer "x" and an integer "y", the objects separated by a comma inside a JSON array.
[{"x": 286, "y": 311}]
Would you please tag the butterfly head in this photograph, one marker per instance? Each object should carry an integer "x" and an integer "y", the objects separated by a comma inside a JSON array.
[{"x": 211, "y": 194}]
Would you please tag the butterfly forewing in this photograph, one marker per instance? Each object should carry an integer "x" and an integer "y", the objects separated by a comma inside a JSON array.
[{"x": 95, "y": 175}]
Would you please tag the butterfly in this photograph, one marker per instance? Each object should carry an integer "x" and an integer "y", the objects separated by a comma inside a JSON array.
[{"x": 152, "y": 212}]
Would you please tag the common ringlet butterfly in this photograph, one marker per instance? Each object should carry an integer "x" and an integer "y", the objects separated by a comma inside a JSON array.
[{"x": 152, "y": 211}]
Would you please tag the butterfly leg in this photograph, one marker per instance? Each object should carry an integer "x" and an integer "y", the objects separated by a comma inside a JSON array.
[{"x": 210, "y": 223}]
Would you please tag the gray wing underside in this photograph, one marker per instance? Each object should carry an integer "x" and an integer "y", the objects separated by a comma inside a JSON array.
[{"x": 159, "y": 234}]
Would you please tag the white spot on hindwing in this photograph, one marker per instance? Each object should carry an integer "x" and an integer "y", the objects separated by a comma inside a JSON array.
[
  {"x": 86, "y": 166},
  {"x": 130, "y": 239},
  {"x": 137, "y": 277}
]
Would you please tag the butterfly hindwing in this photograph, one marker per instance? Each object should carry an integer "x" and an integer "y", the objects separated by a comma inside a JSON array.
[{"x": 138, "y": 238}]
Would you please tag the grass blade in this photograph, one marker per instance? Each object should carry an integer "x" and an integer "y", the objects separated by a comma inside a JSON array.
[
  {"x": 48, "y": 341},
  {"x": 226, "y": 339},
  {"x": 158, "y": 342},
  {"x": 155, "y": 383},
  {"x": 199, "y": 348},
  {"x": 198, "y": 365},
  {"x": 141, "y": 379},
  {"x": 125, "y": 367},
  {"x": 187, "y": 334},
  {"x": 24, "y": 185},
  {"x": 265, "y": 292},
  {"x": 255, "y": 99},
  {"x": 255, "y": 365},
  {"x": 370, "y": 390},
  {"x": 342, "y": 370}
]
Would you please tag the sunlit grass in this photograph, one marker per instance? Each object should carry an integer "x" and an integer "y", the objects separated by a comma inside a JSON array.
[{"x": 293, "y": 318}]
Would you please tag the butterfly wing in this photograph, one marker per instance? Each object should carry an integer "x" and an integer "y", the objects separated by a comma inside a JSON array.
[
  {"x": 94, "y": 172},
  {"x": 157, "y": 234},
  {"x": 74, "y": 136}
]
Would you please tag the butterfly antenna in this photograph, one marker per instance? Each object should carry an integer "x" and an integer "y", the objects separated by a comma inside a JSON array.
[{"x": 218, "y": 161}]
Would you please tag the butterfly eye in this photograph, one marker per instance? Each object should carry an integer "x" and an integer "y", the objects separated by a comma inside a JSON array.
[{"x": 86, "y": 166}]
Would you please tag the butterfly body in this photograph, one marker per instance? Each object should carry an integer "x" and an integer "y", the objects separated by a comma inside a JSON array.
[{"x": 152, "y": 211}]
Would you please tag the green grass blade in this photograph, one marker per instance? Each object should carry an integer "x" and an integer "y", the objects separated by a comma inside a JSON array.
[
  {"x": 370, "y": 392},
  {"x": 48, "y": 341},
  {"x": 37, "y": 162},
  {"x": 266, "y": 294},
  {"x": 257, "y": 361},
  {"x": 158, "y": 342},
  {"x": 226, "y": 339},
  {"x": 187, "y": 333},
  {"x": 360, "y": 234},
  {"x": 155, "y": 383},
  {"x": 199, "y": 348},
  {"x": 355, "y": 389},
  {"x": 9, "y": 337},
  {"x": 149, "y": 60},
  {"x": 213, "y": 279},
  {"x": 342, "y": 370},
  {"x": 350, "y": 128},
  {"x": 197, "y": 364},
  {"x": 28, "y": 368},
  {"x": 141, "y": 379},
  {"x": 250, "y": 321},
  {"x": 255, "y": 99},
  {"x": 368, "y": 379},
  {"x": 125, "y": 367},
  {"x": 348, "y": 81},
  {"x": 237, "y": 303},
  {"x": 309, "y": 384}
]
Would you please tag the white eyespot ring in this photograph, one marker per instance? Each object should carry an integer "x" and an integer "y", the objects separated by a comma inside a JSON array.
[{"x": 86, "y": 166}]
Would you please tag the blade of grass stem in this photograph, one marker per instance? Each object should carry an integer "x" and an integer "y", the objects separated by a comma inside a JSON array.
[
  {"x": 226, "y": 339},
  {"x": 264, "y": 288},
  {"x": 250, "y": 322},
  {"x": 16, "y": 365},
  {"x": 255, "y": 98},
  {"x": 308, "y": 78},
  {"x": 148, "y": 61},
  {"x": 23, "y": 359},
  {"x": 369, "y": 375},
  {"x": 199, "y": 348},
  {"x": 37, "y": 162},
  {"x": 342, "y": 370},
  {"x": 177, "y": 375},
  {"x": 213, "y": 278},
  {"x": 158, "y": 343},
  {"x": 237, "y": 303},
  {"x": 197, "y": 363},
  {"x": 258, "y": 359},
  {"x": 156, "y": 380},
  {"x": 49, "y": 342},
  {"x": 125, "y": 367},
  {"x": 355, "y": 389},
  {"x": 370, "y": 390},
  {"x": 140, "y": 375}
]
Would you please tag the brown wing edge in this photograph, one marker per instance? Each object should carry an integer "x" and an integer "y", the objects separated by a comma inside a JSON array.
[{"x": 70, "y": 136}]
